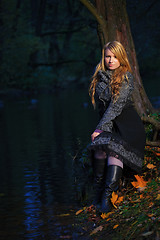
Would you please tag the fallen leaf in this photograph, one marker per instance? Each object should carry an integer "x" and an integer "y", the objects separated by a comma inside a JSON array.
[
  {"x": 115, "y": 199},
  {"x": 90, "y": 208},
  {"x": 115, "y": 226},
  {"x": 108, "y": 219},
  {"x": 140, "y": 184},
  {"x": 158, "y": 197},
  {"x": 141, "y": 196},
  {"x": 106, "y": 215},
  {"x": 120, "y": 199},
  {"x": 151, "y": 204},
  {"x": 157, "y": 153},
  {"x": 147, "y": 234},
  {"x": 79, "y": 211},
  {"x": 96, "y": 230},
  {"x": 150, "y": 166}
]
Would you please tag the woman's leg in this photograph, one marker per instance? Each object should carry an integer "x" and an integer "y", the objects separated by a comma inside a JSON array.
[
  {"x": 114, "y": 161},
  {"x": 113, "y": 176},
  {"x": 99, "y": 164}
]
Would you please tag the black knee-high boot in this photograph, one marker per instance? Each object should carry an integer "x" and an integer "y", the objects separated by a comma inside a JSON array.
[
  {"x": 98, "y": 170},
  {"x": 113, "y": 176}
]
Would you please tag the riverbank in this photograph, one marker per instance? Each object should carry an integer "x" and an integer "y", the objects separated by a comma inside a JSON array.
[{"x": 137, "y": 216}]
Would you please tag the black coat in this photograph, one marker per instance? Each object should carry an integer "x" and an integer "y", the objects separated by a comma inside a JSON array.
[{"x": 123, "y": 131}]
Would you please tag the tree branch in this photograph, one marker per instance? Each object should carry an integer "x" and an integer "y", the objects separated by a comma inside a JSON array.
[
  {"x": 153, "y": 144},
  {"x": 148, "y": 9},
  {"x": 156, "y": 127},
  {"x": 154, "y": 122},
  {"x": 94, "y": 12}
]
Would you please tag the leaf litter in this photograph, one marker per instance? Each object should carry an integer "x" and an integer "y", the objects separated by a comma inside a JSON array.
[{"x": 136, "y": 207}]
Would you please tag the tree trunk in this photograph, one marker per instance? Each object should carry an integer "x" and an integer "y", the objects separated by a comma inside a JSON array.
[{"x": 113, "y": 24}]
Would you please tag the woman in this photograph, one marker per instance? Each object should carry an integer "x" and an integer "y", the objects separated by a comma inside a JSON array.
[{"x": 119, "y": 138}]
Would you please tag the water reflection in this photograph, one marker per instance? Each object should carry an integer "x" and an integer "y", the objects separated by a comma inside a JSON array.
[
  {"x": 38, "y": 142},
  {"x": 32, "y": 203}
]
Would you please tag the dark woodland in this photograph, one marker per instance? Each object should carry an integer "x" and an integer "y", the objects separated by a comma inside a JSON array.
[{"x": 48, "y": 53}]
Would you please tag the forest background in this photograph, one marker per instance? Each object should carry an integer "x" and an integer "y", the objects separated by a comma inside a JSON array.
[{"x": 54, "y": 44}]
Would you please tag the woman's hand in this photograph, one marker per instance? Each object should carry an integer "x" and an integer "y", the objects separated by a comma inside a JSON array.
[{"x": 94, "y": 135}]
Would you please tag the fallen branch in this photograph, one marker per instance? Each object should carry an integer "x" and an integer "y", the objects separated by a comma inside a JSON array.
[
  {"x": 156, "y": 127},
  {"x": 153, "y": 144}
]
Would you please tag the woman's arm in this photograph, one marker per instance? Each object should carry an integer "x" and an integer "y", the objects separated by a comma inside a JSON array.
[
  {"x": 103, "y": 89},
  {"x": 115, "y": 108}
]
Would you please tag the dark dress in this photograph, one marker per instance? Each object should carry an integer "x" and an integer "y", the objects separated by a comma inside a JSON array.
[{"x": 123, "y": 133}]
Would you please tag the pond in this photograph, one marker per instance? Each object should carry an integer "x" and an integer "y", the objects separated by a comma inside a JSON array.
[{"x": 40, "y": 137}]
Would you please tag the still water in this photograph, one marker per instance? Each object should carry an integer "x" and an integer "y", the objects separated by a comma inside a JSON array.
[{"x": 40, "y": 137}]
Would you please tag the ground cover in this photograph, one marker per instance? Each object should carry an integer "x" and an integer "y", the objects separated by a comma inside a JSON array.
[{"x": 136, "y": 207}]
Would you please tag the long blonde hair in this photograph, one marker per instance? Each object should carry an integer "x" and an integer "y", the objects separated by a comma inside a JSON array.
[{"x": 118, "y": 74}]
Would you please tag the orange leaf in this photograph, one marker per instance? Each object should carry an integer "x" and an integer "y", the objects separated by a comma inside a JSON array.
[
  {"x": 106, "y": 215},
  {"x": 120, "y": 199},
  {"x": 157, "y": 153},
  {"x": 115, "y": 199},
  {"x": 81, "y": 210},
  {"x": 150, "y": 166},
  {"x": 115, "y": 226},
  {"x": 141, "y": 196},
  {"x": 140, "y": 184}
]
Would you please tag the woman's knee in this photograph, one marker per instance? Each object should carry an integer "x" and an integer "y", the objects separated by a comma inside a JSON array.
[{"x": 100, "y": 154}]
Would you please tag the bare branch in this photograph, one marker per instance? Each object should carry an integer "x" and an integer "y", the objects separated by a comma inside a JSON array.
[
  {"x": 94, "y": 12},
  {"x": 154, "y": 122},
  {"x": 153, "y": 144}
]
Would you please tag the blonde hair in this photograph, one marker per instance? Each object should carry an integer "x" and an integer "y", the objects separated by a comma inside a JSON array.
[{"x": 118, "y": 74}]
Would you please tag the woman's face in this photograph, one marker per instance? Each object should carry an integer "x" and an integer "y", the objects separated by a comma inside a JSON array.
[{"x": 110, "y": 60}]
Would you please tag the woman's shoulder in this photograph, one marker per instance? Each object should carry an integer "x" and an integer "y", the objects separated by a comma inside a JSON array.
[{"x": 128, "y": 77}]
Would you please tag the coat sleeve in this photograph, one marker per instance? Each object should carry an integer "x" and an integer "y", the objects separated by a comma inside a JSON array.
[
  {"x": 115, "y": 107},
  {"x": 103, "y": 90}
]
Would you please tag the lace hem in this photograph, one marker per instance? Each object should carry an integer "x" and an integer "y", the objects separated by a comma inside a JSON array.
[{"x": 112, "y": 144}]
